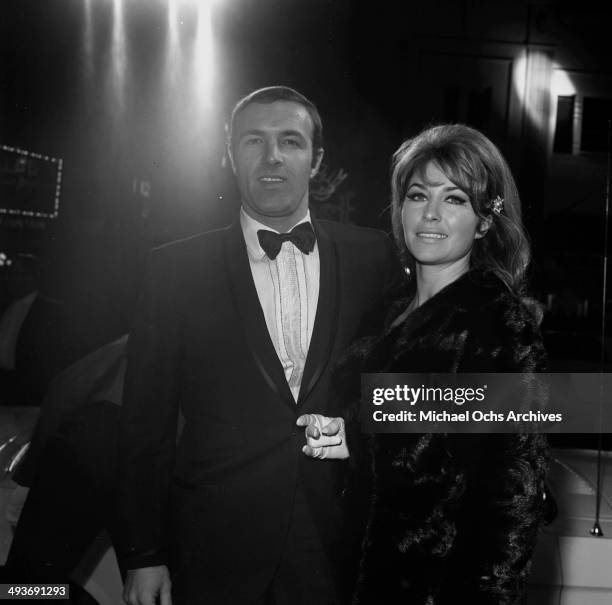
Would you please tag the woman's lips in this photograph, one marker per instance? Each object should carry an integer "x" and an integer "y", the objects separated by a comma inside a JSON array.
[{"x": 431, "y": 235}]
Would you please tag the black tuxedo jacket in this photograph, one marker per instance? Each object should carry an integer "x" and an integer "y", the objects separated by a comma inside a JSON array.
[{"x": 201, "y": 362}]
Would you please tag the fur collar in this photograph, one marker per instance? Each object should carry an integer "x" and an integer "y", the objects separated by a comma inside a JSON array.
[{"x": 474, "y": 324}]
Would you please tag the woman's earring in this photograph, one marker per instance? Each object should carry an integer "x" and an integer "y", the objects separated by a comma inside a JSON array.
[{"x": 497, "y": 205}]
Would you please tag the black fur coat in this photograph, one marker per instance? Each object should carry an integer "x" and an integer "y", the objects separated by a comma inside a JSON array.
[{"x": 447, "y": 518}]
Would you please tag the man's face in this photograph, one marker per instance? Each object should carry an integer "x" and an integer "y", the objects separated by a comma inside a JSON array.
[{"x": 272, "y": 158}]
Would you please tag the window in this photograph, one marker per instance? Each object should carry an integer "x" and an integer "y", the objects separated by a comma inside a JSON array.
[
  {"x": 565, "y": 123},
  {"x": 596, "y": 114}
]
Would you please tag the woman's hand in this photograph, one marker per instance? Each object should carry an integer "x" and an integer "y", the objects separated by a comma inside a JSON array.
[{"x": 325, "y": 437}]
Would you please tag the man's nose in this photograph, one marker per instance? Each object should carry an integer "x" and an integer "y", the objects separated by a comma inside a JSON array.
[
  {"x": 431, "y": 212},
  {"x": 273, "y": 155}
]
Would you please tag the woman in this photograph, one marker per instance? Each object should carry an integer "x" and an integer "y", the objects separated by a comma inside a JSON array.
[{"x": 452, "y": 518}]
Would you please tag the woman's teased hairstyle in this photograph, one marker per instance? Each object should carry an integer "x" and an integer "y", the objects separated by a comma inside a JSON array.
[{"x": 475, "y": 165}]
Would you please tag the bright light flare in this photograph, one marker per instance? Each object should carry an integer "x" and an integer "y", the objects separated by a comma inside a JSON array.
[
  {"x": 88, "y": 41},
  {"x": 203, "y": 55},
  {"x": 561, "y": 84},
  {"x": 532, "y": 84},
  {"x": 118, "y": 55},
  {"x": 172, "y": 45},
  {"x": 538, "y": 81},
  {"x": 201, "y": 62},
  {"x": 193, "y": 3}
]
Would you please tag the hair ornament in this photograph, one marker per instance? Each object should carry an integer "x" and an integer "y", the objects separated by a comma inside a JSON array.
[{"x": 497, "y": 205}]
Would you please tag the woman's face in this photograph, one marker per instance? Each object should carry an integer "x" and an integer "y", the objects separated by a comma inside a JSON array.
[{"x": 439, "y": 223}]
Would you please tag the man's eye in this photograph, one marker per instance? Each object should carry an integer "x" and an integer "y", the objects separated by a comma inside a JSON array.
[
  {"x": 253, "y": 141},
  {"x": 291, "y": 143}
]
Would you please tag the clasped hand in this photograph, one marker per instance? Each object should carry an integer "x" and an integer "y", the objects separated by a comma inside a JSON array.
[{"x": 325, "y": 437}]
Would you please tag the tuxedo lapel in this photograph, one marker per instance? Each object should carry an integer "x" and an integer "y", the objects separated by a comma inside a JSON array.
[
  {"x": 251, "y": 314},
  {"x": 326, "y": 318}
]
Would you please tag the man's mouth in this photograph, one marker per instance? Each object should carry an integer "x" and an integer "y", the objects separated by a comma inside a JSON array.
[
  {"x": 271, "y": 179},
  {"x": 431, "y": 235}
]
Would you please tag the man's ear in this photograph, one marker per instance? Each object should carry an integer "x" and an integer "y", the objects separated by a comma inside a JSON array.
[
  {"x": 230, "y": 156},
  {"x": 483, "y": 227},
  {"x": 228, "y": 148},
  {"x": 317, "y": 158}
]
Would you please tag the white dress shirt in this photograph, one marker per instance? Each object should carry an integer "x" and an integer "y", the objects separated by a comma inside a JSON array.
[{"x": 270, "y": 277}]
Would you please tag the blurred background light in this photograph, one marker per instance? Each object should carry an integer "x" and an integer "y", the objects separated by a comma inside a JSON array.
[
  {"x": 532, "y": 82},
  {"x": 172, "y": 44},
  {"x": 88, "y": 41},
  {"x": 538, "y": 82},
  {"x": 118, "y": 65},
  {"x": 203, "y": 57},
  {"x": 561, "y": 84}
]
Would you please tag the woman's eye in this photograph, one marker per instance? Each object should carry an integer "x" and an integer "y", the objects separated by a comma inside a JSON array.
[
  {"x": 253, "y": 141},
  {"x": 453, "y": 199},
  {"x": 415, "y": 196}
]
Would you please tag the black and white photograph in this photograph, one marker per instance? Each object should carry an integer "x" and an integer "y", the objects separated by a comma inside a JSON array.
[{"x": 306, "y": 302}]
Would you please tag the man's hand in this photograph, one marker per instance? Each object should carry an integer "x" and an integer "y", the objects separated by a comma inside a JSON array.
[
  {"x": 145, "y": 586},
  {"x": 325, "y": 437}
]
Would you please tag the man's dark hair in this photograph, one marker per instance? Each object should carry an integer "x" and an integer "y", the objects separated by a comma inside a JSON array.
[{"x": 271, "y": 94}]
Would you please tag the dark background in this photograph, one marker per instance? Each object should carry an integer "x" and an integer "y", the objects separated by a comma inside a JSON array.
[{"x": 101, "y": 85}]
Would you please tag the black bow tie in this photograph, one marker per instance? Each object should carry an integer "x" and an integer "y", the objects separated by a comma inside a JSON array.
[{"x": 301, "y": 236}]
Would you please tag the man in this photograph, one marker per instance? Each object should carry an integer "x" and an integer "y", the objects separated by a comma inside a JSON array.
[{"x": 237, "y": 334}]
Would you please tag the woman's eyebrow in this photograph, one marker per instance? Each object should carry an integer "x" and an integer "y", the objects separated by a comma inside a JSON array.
[{"x": 434, "y": 184}]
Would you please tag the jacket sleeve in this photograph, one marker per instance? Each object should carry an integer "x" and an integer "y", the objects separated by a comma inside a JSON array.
[
  {"x": 347, "y": 374},
  {"x": 147, "y": 433},
  {"x": 508, "y": 488}
]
